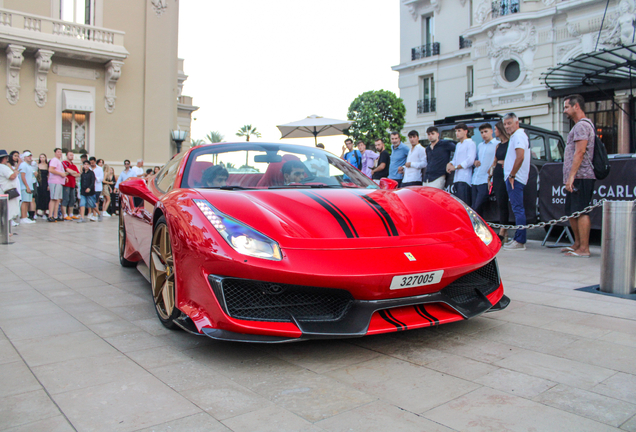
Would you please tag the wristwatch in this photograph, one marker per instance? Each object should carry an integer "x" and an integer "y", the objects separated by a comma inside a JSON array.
[{"x": 511, "y": 176}]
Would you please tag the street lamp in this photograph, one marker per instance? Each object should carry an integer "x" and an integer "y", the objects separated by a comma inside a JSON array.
[{"x": 178, "y": 136}]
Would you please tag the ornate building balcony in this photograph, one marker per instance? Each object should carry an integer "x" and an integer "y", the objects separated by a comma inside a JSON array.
[
  {"x": 424, "y": 51},
  {"x": 66, "y": 39},
  {"x": 426, "y": 106}
]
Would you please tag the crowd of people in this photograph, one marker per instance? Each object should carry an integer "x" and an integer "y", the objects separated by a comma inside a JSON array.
[
  {"x": 50, "y": 188},
  {"x": 499, "y": 166}
]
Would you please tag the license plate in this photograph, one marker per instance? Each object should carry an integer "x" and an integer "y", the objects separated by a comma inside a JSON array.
[{"x": 416, "y": 280}]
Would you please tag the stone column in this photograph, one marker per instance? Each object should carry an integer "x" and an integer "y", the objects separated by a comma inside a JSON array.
[{"x": 623, "y": 122}]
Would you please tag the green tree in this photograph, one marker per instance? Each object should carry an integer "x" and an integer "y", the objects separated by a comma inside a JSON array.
[
  {"x": 215, "y": 137},
  {"x": 246, "y": 131},
  {"x": 374, "y": 115},
  {"x": 197, "y": 142}
]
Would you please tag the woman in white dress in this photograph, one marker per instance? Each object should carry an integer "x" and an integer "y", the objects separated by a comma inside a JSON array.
[{"x": 9, "y": 180}]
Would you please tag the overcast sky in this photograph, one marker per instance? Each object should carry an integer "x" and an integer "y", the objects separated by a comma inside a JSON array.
[{"x": 266, "y": 63}]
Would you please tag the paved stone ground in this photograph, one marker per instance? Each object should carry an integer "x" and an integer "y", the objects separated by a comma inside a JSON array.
[{"x": 81, "y": 349}]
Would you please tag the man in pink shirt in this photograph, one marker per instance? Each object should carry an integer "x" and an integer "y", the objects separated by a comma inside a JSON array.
[{"x": 57, "y": 177}]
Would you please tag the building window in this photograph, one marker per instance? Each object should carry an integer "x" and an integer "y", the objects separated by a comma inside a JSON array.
[
  {"x": 429, "y": 47},
  {"x": 428, "y": 30},
  {"x": 427, "y": 89},
  {"x": 504, "y": 7},
  {"x": 604, "y": 115},
  {"x": 470, "y": 82},
  {"x": 78, "y": 11},
  {"x": 74, "y": 128}
]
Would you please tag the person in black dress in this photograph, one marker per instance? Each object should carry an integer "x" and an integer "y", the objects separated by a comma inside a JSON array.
[
  {"x": 43, "y": 197},
  {"x": 496, "y": 177}
]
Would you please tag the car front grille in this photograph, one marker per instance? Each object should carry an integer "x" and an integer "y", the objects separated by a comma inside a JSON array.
[
  {"x": 464, "y": 289},
  {"x": 264, "y": 301}
]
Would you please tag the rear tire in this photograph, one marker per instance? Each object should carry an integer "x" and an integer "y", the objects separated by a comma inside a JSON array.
[
  {"x": 122, "y": 243},
  {"x": 162, "y": 275}
]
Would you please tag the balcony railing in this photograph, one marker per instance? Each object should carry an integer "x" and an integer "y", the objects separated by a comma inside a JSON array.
[
  {"x": 425, "y": 106},
  {"x": 424, "y": 51},
  {"x": 504, "y": 7},
  {"x": 61, "y": 36},
  {"x": 465, "y": 43},
  {"x": 468, "y": 103}
]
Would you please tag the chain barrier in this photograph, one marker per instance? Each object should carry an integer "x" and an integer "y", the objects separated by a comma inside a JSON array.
[{"x": 552, "y": 222}]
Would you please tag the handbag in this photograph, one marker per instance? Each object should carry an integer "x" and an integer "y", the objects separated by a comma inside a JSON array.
[{"x": 13, "y": 193}]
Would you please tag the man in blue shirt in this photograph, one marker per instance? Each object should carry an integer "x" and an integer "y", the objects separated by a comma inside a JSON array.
[
  {"x": 485, "y": 158},
  {"x": 354, "y": 157},
  {"x": 399, "y": 153},
  {"x": 125, "y": 174}
]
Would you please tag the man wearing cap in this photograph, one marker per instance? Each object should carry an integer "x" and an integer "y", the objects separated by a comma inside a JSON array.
[
  {"x": 27, "y": 180},
  {"x": 69, "y": 194}
]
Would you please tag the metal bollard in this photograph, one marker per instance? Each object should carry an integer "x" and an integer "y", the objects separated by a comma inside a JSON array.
[
  {"x": 618, "y": 247},
  {"x": 4, "y": 219}
]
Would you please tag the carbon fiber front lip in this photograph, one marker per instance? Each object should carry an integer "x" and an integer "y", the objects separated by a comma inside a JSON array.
[{"x": 357, "y": 320}]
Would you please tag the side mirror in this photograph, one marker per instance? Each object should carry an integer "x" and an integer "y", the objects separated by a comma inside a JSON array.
[
  {"x": 137, "y": 187},
  {"x": 386, "y": 184}
]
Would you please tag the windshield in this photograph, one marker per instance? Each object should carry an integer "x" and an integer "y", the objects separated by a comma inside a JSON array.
[{"x": 269, "y": 166}]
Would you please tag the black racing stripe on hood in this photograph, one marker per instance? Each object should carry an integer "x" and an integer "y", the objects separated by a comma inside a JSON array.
[
  {"x": 386, "y": 226},
  {"x": 383, "y": 214},
  {"x": 343, "y": 215},
  {"x": 334, "y": 212}
]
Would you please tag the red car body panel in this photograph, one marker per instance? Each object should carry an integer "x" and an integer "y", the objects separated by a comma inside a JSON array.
[{"x": 350, "y": 239}]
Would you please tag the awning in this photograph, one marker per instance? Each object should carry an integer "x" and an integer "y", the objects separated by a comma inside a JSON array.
[
  {"x": 598, "y": 69},
  {"x": 77, "y": 101}
]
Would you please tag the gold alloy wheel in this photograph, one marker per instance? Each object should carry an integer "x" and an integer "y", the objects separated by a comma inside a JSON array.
[
  {"x": 162, "y": 273},
  {"x": 122, "y": 234}
]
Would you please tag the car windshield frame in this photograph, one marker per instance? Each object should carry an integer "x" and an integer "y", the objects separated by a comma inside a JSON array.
[{"x": 350, "y": 177}]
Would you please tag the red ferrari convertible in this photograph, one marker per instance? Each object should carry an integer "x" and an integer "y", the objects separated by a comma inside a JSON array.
[{"x": 262, "y": 242}]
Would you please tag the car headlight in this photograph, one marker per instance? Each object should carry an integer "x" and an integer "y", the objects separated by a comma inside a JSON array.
[
  {"x": 242, "y": 238},
  {"x": 480, "y": 227}
]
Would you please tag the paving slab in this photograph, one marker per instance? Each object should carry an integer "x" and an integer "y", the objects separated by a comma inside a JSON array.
[{"x": 81, "y": 349}]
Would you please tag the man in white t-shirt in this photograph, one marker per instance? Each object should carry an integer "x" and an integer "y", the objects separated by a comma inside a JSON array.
[
  {"x": 138, "y": 170},
  {"x": 516, "y": 171},
  {"x": 99, "y": 178}
]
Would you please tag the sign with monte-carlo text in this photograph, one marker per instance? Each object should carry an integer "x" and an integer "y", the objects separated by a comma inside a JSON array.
[{"x": 619, "y": 185}]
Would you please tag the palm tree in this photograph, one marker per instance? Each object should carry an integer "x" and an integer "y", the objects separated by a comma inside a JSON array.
[
  {"x": 197, "y": 142},
  {"x": 246, "y": 131},
  {"x": 215, "y": 137}
]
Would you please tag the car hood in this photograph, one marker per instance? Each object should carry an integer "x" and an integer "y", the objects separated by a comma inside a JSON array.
[{"x": 359, "y": 218}]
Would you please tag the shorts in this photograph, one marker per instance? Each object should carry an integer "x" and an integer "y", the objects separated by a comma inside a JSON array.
[
  {"x": 581, "y": 198},
  {"x": 68, "y": 198},
  {"x": 56, "y": 191},
  {"x": 87, "y": 201},
  {"x": 25, "y": 197}
]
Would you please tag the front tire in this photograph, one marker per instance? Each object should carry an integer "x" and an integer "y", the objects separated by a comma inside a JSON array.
[
  {"x": 122, "y": 243},
  {"x": 162, "y": 275}
]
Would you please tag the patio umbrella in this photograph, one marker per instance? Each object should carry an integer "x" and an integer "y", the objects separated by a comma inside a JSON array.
[{"x": 313, "y": 126}]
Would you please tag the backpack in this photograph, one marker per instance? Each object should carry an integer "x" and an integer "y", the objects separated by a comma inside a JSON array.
[
  {"x": 356, "y": 153},
  {"x": 600, "y": 161}
]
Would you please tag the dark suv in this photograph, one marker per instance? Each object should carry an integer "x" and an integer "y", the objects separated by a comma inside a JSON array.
[{"x": 546, "y": 146}]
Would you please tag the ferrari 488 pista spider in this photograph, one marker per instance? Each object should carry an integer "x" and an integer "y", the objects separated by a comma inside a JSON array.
[{"x": 276, "y": 242}]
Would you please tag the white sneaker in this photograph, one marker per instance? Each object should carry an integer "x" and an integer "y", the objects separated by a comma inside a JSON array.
[
  {"x": 91, "y": 218},
  {"x": 26, "y": 221},
  {"x": 14, "y": 223},
  {"x": 43, "y": 217},
  {"x": 105, "y": 214},
  {"x": 515, "y": 246}
]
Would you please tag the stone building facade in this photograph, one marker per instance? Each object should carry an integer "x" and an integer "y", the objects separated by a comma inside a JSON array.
[
  {"x": 93, "y": 76},
  {"x": 465, "y": 56}
]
